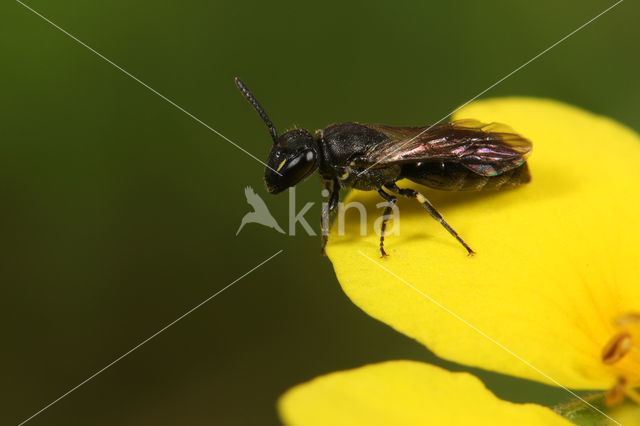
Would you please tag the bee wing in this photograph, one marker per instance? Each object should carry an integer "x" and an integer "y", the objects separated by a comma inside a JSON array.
[{"x": 485, "y": 149}]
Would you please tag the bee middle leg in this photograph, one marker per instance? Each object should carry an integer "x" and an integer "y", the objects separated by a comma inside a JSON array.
[
  {"x": 412, "y": 193},
  {"x": 391, "y": 201}
]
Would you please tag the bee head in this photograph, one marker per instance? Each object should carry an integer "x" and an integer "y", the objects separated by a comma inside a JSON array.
[{"x": 293, "y": 156}]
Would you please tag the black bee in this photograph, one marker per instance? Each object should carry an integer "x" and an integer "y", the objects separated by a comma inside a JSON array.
[{"x": 461, "y": 155}]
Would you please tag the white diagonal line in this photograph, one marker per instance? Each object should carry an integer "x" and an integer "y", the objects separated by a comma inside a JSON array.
[
  {"x": 494, "y": 85},
  {"x": 149, "y": 338},
  {"x": 146, "y": 86},
  {"x": 482, "y": 333}
]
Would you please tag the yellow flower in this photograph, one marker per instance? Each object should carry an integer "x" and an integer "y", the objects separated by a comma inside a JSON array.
[
  {"x": 553, "y": 293},
  {"x": 404, "y": 393}
]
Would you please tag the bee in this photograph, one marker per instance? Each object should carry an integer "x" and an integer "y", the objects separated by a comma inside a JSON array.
[{"x": 464, "y": 155}]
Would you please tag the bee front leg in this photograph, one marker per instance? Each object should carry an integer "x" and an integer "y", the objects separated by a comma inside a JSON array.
[
  {"x": 412, "y": 193},
  {"x": 391, "y": 201},
  {"x": 334, "y": 196}
]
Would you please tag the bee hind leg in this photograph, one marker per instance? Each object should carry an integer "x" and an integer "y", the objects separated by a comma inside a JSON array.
[
  {"x": 391, "y": 201},
  {"x": 412, "y": 193}
]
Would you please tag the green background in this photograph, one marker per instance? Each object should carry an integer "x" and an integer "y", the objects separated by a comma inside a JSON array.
[{"x": 119, "y": 212}]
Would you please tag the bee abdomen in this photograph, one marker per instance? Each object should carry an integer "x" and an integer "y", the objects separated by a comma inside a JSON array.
[{"x": 455, "y": 177}]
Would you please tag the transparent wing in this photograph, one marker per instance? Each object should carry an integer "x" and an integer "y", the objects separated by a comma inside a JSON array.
[{"x": 486, "y": 149}]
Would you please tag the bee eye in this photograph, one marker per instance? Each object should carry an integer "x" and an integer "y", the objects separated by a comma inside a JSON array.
[
  {"x": 290, "y": 170},
  {"x": 296, "y": 168}
]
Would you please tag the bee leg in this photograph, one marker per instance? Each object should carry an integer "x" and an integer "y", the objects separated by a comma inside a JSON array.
[
  {"x": 391, "y": 201},
  {"x": 334, "y": 197},
  {"x": 411, "y": 193}
]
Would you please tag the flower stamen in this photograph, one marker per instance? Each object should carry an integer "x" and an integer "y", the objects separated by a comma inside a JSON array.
[
  {"x": 633, "y": 395},
  {"x": 631, "y": 318},
  {"x": 616, "y": 394},
  {"x": 616, "y": 348}
]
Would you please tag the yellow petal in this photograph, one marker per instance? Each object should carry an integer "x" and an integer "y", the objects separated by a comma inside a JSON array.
[
  {"x": 404, "y": 393},
  {"x": 628, "y": 414},
  {"x": 557, "y": 259}
]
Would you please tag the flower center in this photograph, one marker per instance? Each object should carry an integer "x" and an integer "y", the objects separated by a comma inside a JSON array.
[{"x": 617, "y": 351}]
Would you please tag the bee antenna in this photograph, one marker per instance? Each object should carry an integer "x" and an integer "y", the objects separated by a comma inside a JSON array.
[{"x": 254, "y": 103}]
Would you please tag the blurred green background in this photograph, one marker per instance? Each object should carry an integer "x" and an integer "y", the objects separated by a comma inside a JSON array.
[{"x": 119, "y": 212}]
